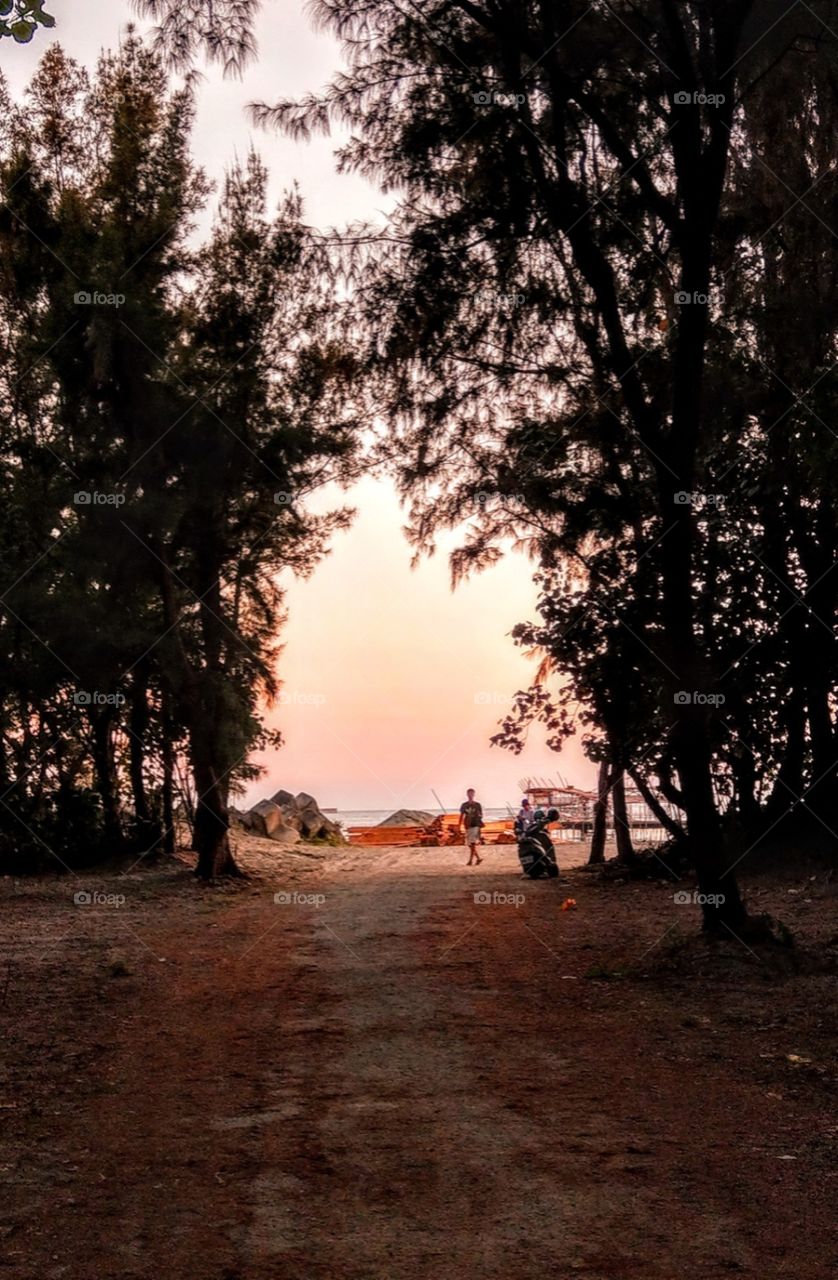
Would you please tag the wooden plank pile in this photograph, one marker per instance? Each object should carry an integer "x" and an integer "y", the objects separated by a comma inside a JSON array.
[
  {"x": 499, "y": 832},
  {"x": 447, "y": 828},
  {"x": 444, "y": 830},
  {"x": 407, "y": 836}
]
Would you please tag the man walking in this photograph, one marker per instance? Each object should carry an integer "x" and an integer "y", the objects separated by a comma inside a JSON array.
[{"x": 471, "y": 818}]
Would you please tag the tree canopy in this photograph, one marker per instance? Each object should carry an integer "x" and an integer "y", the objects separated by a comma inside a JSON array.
[
  {"x": 165, "y": 412},
  {"x": 575, "y": 323},
  {"x": 575, "y": 326}
]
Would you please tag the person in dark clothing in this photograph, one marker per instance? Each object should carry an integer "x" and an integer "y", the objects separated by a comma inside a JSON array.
[
  {"x": 526, "y": 817},
  {"x": 471, "y": 819}
]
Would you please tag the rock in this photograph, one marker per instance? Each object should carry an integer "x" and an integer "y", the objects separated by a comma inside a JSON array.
[
  {"x": 329, "y": 828},
  {"x": 287, "y": 818},
  {"x": 312, "y": 826},
  {"x": 265, "y": 818},
  {"x": 286, "y": 835},
  {"x": 237, "y": 817},
  {"x": 313, "y": 823},
  {"x": 408, "y": 818}
]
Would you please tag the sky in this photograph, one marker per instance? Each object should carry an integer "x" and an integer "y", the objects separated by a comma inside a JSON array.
[{"x": 392, "y": 683}]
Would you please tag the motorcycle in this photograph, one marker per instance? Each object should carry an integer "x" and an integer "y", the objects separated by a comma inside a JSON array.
[{"x": 535, "y": 848}]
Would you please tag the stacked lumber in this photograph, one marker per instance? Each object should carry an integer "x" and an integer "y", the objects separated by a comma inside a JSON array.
[
  {"x": 501, "y": 831},
  {"x": 439, "y": 831},
  {"x": 443, "y": 830},
  {"x": 446, "y": 828},
  {"x": 380, "y": 836},
  {"x": 430, "y": 834}
]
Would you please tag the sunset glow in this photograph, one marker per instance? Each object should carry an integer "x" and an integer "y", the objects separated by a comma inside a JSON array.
[{"x": 414, "y": 677}]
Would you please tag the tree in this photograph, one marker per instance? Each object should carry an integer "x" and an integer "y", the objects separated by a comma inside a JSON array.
[
  {"x": 622, "y": 829},
  {"x": 544, "y": 311},
  {"x": 599, "y": 830},
  {"x": 97, "y": 188},
  {"x": 222, "y": 30},
  {"x": 271, "y": 420},
  {"x": 20, "y": 19},
  {"x": 165, "y": 413}
]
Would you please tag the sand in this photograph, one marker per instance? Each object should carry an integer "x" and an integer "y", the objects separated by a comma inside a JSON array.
[{"x": 381, "y": 1075}]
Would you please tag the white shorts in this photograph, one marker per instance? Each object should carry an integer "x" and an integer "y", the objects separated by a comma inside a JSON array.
[{"x": 473, "y": 835}]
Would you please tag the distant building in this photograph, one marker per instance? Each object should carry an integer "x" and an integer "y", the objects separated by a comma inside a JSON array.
[{"x": 576, "y": 807}]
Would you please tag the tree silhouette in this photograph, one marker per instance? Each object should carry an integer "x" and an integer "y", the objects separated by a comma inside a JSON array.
[
  {"x": 166, "y": 411},
  {"x": 222, "y": 31},
  {"x": 547, "y": 324}
]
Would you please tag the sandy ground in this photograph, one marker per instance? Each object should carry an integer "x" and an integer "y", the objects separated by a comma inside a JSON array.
[{"x": 382, "y": 1075}]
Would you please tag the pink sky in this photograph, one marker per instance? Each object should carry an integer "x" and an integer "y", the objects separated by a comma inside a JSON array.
[{"x": 392, "y": 683}]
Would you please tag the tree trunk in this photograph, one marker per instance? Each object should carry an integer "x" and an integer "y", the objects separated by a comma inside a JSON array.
[
  {"x": 212, "y": 823},
  {"x": 148, "y": 827},
  {"x": 622, "y": 830},
  {"x": 788, "y": 785},
  {"x": 820, "y": 796},
  {"x": 103, "y": 764},
  {"x": 721, "y": 904},
  {"x": 5, "y": 773},
  {"x": 169, "y": 834},
  {"x": 745, "y": 777},
  {"x": 600, "y": 824},
  {"x": 690, "y": 739},
  {"x": 669, "y": 824},
  {"x": 138, "y": 725},
  {"x": 199, "y": 708}
]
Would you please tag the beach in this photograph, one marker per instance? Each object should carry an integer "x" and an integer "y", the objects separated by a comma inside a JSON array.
[{"x": 358, "y": 1064}]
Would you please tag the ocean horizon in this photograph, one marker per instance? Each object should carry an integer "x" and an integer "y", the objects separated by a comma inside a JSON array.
[{"x": 372, "y": 817}]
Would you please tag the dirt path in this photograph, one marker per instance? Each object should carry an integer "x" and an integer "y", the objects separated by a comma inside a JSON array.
[{"x": 384, "y": 1078}]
